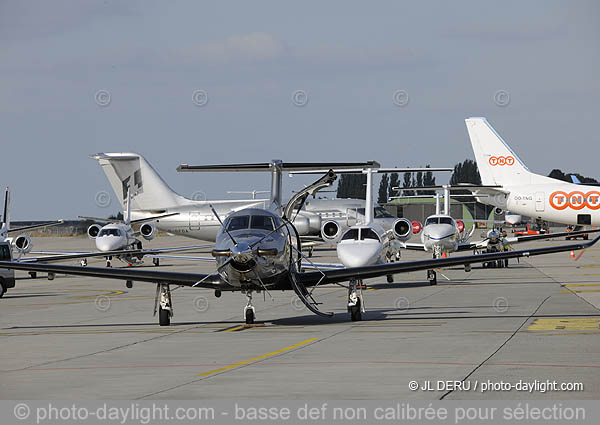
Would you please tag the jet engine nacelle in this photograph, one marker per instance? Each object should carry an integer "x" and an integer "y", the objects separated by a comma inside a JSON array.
[
  {"x": 148, "y": 231},
  {"x": 460, "y": 225},
  {"x": 93, "y": 231},
  {"x": 302, "y": 225},
  {"x": 417, "y": 227},
  {"x": 403, "y": 229},
  {"x": 330, "y": 230},
  {"x": 22, "y": 243}
]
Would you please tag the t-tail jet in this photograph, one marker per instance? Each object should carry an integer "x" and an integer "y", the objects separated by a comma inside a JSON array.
[{"x": 514, "y": 188}]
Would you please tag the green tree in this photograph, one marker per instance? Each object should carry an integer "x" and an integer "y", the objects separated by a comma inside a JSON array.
[
  {"x": 559, "y": 175},
  {"x": 407, "y": 182},
  {"x": 394, "y": 182},
  {"x": 382, "y": 197},
  {"x": 352, "y": 186},
  {"x": 428, "y": 180},
  {"x": 465, "y": 172}
]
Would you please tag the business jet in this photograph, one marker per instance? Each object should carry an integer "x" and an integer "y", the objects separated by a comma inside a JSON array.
[
  {"x": 323, "y": 219},
  {"x": 442, "y": 235},
  {"x": 22, "y": 243},
  {"x": 260, "y": 250},
  {"x": 514, "y": 188}
]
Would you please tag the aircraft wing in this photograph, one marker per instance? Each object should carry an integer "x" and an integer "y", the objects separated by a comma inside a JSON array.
[
  {"x": 467, "y": 246},
  {"x": 212, "y": 281},
  {"x": 526, "y": 238},
  {"x": 366, "y": 272},
  {"x": 62, "y": 256},
  {"x": 35, "y": 226}
]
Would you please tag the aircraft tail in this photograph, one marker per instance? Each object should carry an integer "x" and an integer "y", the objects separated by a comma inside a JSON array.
[
  {"x": 131, "y": 173},
  {"x": 497, "y": 163}
]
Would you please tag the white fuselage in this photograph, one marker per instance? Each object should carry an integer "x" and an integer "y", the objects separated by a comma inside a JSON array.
[
  {"x": 560, "y": 203},
  {"x": 440, "y": 234},
  {"x": 115, "y": 236},
  {"x": 365, "y": 246}
]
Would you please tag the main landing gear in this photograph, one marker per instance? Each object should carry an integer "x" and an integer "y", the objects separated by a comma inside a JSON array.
[
  {"x": 156, "y": 261},
  {"x": 108, "y": 261},
  {"x": 355, "y": 300},
  {"x": 432, "y": 277},
  {"x": 163, "y": 303},
  {"x": 249, "y": 312}
]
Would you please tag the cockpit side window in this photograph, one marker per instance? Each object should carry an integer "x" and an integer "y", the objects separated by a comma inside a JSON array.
[
  {"x": 446, "y": 220},
  {"x": 432, "y": 220},
  {"x": 109, "y": 232},
  {"x": 351, "y": 234},
  {"x": 238, "y": 222},
  {"x": 263, "y": 222},
  {"x": 367, "y": 233}
]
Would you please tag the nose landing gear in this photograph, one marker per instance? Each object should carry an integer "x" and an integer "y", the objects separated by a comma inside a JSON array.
[
  {"x": 163, "y": 303},
  {"x": 249, "y": 312},
  {"x": 355, "y": 304}
]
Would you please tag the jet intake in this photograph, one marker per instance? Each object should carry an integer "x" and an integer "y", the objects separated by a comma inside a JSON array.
[
  {"x": 93, "y": 231},
  {"x": 148, "y": 231},
  {"x": 330, "y": 230},
  {"x": 403, "y": 229},
  {"x": 22, "y": 244}
]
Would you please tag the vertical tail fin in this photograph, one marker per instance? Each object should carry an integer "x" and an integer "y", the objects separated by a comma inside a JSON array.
[
  {"x": 497, "y": 163},
  {"x": 131, "y": 176}
]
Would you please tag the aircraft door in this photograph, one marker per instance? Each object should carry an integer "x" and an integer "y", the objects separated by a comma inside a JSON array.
[
  {"x": 539, "y": 201},
  {"x": 194, "y": 221}
]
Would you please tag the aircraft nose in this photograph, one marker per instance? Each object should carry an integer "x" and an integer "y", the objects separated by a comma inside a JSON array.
[
  {"x": 358, "y": 253},
  {"x": 108, "y": 243}
]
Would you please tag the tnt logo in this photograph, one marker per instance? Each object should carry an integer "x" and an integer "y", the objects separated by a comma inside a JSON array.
[
  {"x": 501, "y": 160},
  {"x": 576, "y": 200}
]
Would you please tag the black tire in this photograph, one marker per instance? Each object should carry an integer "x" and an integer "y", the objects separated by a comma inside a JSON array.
[
  {"x": 2, "y": 288},
  {"x": 585, "y": 237},
  {"x": 506, "y": 262},
  {"x": 249, "y": 317},
  {"x": 164, "y": 318},
  {"x": 390, "y": 278},
  {"x": 156, "y": 261},
  {"x": 33, "y": 275},
  {"x": 355, "y": 313}
]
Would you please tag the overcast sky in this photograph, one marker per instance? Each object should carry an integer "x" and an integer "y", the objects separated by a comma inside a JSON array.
[{"x": 249, "y": 57}]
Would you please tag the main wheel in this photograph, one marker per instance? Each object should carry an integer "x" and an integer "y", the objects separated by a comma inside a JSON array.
[
  {"x": 506, "y": 262},
  {"x": 2, "y": 289},
  {"x": 164, "y": 317},
  {"x": 33, "y": 275},
  {"x": 156, "y": 261},
  {"x": 390, "y": 278},
  {"x": 249, "y": 316}
]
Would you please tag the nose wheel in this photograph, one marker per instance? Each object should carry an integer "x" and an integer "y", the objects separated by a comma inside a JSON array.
[
  {"x": 163, "y": 304},
  {"x": 355, "y": 304},
  {"x": 432, "y": 277},
  {"x": 249, "y": 312}
]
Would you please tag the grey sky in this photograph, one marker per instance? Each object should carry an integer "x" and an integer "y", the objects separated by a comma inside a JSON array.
[{"x": 249, "y": 57}]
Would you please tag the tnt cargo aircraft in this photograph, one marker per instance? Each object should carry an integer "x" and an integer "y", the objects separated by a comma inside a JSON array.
[{"x": 520, "y": 191}]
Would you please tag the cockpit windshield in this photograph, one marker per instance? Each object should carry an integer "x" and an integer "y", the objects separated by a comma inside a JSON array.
[
  {"x": 263, "y": 222},
  {"x": 367, "y": 233},
  {"x": 109, "y": 232},
  {"x": 351, "y": 234},
  {"x": 432, "y": 220},
  {"x": 446, "y": 220},
  {"x": 238, "y": 222}
]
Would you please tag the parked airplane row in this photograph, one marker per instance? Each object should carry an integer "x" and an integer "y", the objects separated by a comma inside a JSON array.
[{"x": 258, "y": 243}]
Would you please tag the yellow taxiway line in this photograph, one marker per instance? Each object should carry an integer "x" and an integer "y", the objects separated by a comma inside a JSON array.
[
  {"x": 253, "y": 359},
  {"x": 565, "y": 324}
]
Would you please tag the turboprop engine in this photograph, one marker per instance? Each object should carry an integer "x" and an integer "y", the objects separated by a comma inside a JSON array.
[
  {"x": 22, "y": 243},
  {"x": 148, "y": 231},
  {"x": 403, "y": 229},
  {"x": 331, "y": 230},
  {"x": 93, "y": 231}
]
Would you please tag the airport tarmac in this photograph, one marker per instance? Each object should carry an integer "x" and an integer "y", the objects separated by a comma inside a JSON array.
[{"x": 88, "y": 338}]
